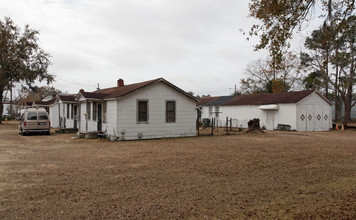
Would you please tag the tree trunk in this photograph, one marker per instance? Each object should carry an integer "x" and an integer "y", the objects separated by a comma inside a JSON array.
[
  {"x": 336, "y": 92},
  {"x": 347, "y": 111},
  {"x": 327, "y": 74},
  {"x": 348, "y": 98},
  {"x": 11, "y": 110},
  {"x": 1, "y": 104}
]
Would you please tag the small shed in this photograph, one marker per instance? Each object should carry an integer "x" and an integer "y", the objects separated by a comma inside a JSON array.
[{"x": 304, "y": 110}]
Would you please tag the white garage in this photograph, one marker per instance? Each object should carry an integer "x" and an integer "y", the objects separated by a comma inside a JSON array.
[{"x": 302, "y": 110}]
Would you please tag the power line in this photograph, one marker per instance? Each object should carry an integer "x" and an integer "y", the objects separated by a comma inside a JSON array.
[{"x": 76, "y": 83}]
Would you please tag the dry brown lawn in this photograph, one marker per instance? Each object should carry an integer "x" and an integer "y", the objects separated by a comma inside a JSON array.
[{"x": 276, "y": 175}]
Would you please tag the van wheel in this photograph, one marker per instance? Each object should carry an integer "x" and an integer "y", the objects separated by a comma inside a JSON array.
[{"x": 48, "y": 133}]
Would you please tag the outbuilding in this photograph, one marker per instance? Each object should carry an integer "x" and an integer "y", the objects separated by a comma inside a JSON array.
[
  {"x": 64, "y": 111},
  {"x": 304, "y": 110}
]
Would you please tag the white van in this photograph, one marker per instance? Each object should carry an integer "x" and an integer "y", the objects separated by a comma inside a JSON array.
[{"x": 34, "y": 120}]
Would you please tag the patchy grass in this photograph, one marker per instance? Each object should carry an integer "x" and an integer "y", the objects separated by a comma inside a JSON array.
[{"x": 276, "y": 175}]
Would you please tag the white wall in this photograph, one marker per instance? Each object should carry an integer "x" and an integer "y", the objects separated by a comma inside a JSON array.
[
  {"x": 157, "y": 95},
  {"x": 82, "y": 122},
  {"x": 53, "y": 115},
  {"x": 4, "y": 109},
  {"x": 286, "y": 114},
  {"x": 111, "y": 117},
  {"x": 69, "y": 121},
  {"x": 242, "y": 114},
  {"x": 319, "y": 110},
  {"x": 92, "y": 124}
]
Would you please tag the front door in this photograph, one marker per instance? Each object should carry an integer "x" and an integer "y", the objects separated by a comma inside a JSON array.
[
  {"x": 270, "y": 120},
  {"x": 310, "y": 118},
  {"x": 99, "y": 117},
  {"x": 75, "y": 116}
]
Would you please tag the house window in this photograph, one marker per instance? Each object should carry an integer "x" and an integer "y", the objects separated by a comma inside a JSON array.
[
  {"x": 217, "y": 111},
  {"x": 210, "y": 111},
  {"x": 142, "y": 111},
  {"x": 94, "y": 111},
  {"x": 67, "y": 110},
  {"x": 88, "y": 110},
  {"x": 71, "y": 111},
  {"x": 104, "y": 111},
  {"x": 170, "y": 111}
]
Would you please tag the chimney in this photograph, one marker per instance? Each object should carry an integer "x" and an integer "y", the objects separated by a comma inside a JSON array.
[{"x": 120, "y": 83}]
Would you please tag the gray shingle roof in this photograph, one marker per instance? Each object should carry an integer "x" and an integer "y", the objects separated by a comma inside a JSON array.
[{"x": 256, "y": 99}]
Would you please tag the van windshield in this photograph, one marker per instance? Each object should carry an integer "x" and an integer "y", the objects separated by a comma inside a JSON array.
[
  {"x": 42, "y": 116},
  {"x": 32, "y": 116}
]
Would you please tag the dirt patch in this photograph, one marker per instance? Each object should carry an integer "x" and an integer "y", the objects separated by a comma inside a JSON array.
[{"x": 312, "y": 175}]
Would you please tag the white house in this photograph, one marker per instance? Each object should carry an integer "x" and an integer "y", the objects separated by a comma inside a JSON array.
[
  {"x": 62, "y": 110},
  {"x": 303, "y": 111},
  {"x": 146, "y": 110},
  {"x": 63, "y": 113},
  {"x": 45, "y": 103}
]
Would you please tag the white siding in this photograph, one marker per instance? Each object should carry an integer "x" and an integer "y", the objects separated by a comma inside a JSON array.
[
  {"x": 82, "y": 122},
  {"x": 5, "y": 109},
  {"x": 286, "y": 114},
  {"x": 53, "y": 115},
  {"x": 205, "y": 112},
  {"x": 111, "y": 118},
  {"x": 69, "y": 120},
  {"x": 241, "y": 114},
  {"x": 157, "y": 95},
  {"x": 86, "y": 125},
  {"x": 314, "y": 114}
]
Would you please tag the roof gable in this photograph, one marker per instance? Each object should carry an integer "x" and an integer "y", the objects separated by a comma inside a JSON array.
[
  {"x": 117, "y": 92},
  {"x": 45, "y": 103},
  {"x": 320, "y": 95},
  {"x": 67, "y": 97}
]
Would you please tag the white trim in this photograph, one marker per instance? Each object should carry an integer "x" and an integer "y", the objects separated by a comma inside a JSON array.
[
  {"x": 319, "y": 95},
  {"x": 269, "y": 107}
]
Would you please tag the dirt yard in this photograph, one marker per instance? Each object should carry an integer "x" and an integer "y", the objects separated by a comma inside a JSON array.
[{"x": 276, "y": 175}]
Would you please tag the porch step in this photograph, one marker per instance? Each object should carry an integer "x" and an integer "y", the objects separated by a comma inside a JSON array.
[{"x": 67, "y": 130}]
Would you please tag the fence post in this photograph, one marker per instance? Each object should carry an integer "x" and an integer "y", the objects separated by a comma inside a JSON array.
[
  {"x": 212, "y": 126},
  {"x": 227, "y": 125},
  {"x": 230, "y": 124},
  {"x": 197, "y": 122}
]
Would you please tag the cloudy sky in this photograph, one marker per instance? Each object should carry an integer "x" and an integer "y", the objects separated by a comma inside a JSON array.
[{"x": 194, "y": 44}]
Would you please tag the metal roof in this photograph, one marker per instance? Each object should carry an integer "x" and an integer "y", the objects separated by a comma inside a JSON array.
[
  {"x": 258, "y": 99},
  {"x": 269, "y": 98},
  {"x": 220, "y": 100},
  {"x": 116, "y": 92}
]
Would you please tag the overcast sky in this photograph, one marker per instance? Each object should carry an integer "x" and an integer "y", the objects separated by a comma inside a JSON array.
[{"x": 194, "y": 44}]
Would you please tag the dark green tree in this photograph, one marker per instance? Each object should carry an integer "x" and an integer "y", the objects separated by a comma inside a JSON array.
[
  {"x": 335, "y": 47},
  {"x": 278, "y": 20},
  {"x": 21, "y": 58},
  {"x": 314, "y": 80}
]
